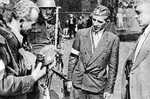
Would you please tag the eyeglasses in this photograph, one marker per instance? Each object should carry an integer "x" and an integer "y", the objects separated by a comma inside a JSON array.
[{"x": 98, "y": 20}]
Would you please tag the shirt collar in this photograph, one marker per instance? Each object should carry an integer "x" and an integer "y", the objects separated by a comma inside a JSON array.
[
  {"x": 147, "y": 30},
  {"x": 99, "y": 32}
]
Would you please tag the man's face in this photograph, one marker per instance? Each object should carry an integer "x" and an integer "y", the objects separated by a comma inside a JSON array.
[
  {"x": 143, "y": 14},
  {"x": 98, "y": 23},
  {"x": 46, "y": 12}
]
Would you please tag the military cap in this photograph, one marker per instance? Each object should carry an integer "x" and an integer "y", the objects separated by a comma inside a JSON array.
[{"x": 101, "y": 11}]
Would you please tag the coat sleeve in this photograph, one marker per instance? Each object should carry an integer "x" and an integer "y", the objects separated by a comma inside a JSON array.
[
  {"x": 124, "y": 83},
  {"x": 125, "y": 93},
  {"x": 113, "y": 66},
  {"x": 74, "y": 55},
  {"x": 10, "y": 84}
]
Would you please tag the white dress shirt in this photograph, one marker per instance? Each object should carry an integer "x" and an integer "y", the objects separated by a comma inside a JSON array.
[{"x": 96, "y": 38}]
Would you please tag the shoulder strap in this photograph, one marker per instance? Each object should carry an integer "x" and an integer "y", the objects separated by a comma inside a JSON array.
[{"x": 2, "y": 40}]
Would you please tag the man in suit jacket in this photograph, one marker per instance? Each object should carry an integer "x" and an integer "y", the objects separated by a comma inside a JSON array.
[
  {"x": 135, "y": 82},
  {"x": 93, "y": 60}
]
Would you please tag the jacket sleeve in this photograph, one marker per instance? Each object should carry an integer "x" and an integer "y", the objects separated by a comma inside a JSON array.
[
  {"x": 74, "y": 55},
  {"x": 113, "y": 66},
  {"x": 10, "y": 84}
]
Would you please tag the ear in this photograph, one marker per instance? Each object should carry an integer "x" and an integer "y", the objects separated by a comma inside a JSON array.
[{"x": 107, "y": 20}]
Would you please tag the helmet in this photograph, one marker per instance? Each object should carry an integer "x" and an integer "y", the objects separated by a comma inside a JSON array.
[
  {"x": 101, "y": 11},
  {"x": 46, "y": 3}
]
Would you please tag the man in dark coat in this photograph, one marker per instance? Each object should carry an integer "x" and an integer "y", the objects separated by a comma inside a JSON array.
[
  {"x": 93, "y": 60},
  {"x": 16, "y": 77}
]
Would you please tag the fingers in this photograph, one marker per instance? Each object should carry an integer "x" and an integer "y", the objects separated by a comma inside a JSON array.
[
  {"x": 38, "y": 72},
  {"x": 104, "y": 95},
  {"x": 52, "y": 65},
  {"x": 39, "y": 65},
  {"x": 69, "y": 85},
  {"x": 107, "y": 95},
  {"x": 43, "y": 70}
]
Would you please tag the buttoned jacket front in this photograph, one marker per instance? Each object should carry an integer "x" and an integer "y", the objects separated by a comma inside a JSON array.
[{"x": 96, "y": 71}]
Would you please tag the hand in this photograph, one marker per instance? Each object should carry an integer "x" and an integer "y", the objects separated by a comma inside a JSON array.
[
  {"x": 38, "y": 72},
  {"x": 52, "y": 65},
  {"x": 28, "y": 58},
  {"x": 69, "y": 86},
  {"x": 107, "y": 95},
  {"x": 49, "y": 54}
]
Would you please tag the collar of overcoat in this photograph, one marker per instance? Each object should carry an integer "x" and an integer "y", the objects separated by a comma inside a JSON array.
[
  {"x": 101, "y": 47},
  {"x": 144, "y": 51}
]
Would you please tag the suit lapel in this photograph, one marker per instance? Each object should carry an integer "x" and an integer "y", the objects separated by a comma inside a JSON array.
[
  {"x": 132, "y": 54},
  {"x": 100, "y": 48},
  {"x": 145, "y": 49},
  {"x": 87, "y": 43}
]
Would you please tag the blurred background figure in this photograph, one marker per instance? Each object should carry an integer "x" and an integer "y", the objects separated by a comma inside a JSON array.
[
  {"x": 120, "y": 18},
  {"x": 89, "y": 22},
  {"x": 72, "y": 26},
  {"x": 82, "y": 22},
  {"x": 66, "y": 28}
]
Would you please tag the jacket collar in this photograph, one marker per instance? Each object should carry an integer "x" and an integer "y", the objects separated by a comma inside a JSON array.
[
  {"x": 102, "y": 45},
  {"x": 144, "y": 49}
]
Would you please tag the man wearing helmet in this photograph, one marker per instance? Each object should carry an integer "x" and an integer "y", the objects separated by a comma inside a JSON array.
[
  {"x": 40, "y": 41},
  {"x": 16, "y": 77},
  {"x": 40, "y": 34},
  {"x": 93, "y": 60}
]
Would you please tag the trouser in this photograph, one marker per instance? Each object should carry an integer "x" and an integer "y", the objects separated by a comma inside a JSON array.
[{"x": 81, "y": 94}]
